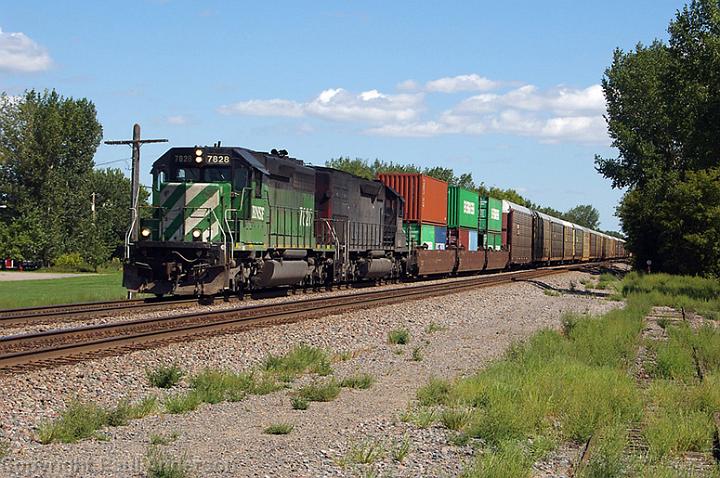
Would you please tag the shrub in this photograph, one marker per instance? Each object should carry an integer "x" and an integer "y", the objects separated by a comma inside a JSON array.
[
  {"x": 399, "y": 337},
  {"x": 361, "y": 381},
  {"x": 164, "y": 376},
  {"x": 71, "y": 262},
  {"x": 279, "y": 429}
]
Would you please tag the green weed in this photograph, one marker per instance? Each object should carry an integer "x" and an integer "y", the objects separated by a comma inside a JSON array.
[
  {"x": 421, "y": 417},
  {"x": 164, "y": 376},
  {"x": 417, "y": 354},
  {"x": 400, "y": 450},
  {"x": 78, "y": 421},
  {"x": 509, "y": 460},
  {"x": 399, "y": 337},
  {"x": 279, "y": 429},
  {"x": 360, "y": 381},
  {"x": 182, "y": 402},
  {"x": 163, "y": 439},
  {"x": 551, "y": 293},
  {"x": 366, "y": 452},
  {"x": 320, "y": 392},
  {"x": 433, "y": 327},
  {"x": 455, "y": 419},
  {"x": 299, "y": 403},
  {"x": 301, "y": 359},
  {"x": 606, "y": 457},
  {"x": 434, "y": 393},
  {"x": 159, "y": 464}
]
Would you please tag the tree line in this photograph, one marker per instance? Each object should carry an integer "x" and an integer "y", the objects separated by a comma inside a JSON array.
[
  {"x": 663, "y": 115},
  {"x": 584, "y": 215},
  {"x": 48, "y": 182}
]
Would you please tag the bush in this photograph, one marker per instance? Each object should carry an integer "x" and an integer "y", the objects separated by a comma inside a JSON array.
[
  {"x": 299, "y": 403},
  {"x": 182, "y": 402},
  {"x": 71, "y": 262},
  {"x": 301, "y": 359}
]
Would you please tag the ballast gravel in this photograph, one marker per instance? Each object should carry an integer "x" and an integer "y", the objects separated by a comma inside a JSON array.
[{"x": 227, "y": 439}]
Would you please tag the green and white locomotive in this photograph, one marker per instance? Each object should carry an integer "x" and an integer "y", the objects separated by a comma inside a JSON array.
[{"x": 229, "y": 219}]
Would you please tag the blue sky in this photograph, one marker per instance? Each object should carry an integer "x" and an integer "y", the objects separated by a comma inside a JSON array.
[{"x": 506, "y": 90}]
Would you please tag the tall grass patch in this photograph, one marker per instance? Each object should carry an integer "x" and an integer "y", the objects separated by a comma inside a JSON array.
[
  {"x": 301, "y": 359},
  {"x": 556, "y": 387},
  {"x": 698, "y": 294}
]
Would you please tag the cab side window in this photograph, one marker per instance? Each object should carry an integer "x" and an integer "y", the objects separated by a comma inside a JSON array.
[
  {"x": 240, "y": 179},
  {"x": 258, "y": 184}
]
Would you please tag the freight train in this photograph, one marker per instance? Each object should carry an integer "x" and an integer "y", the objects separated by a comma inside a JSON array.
[{"x": 230, "y": 219}]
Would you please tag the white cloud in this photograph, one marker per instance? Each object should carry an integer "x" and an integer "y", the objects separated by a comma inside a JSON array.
[
  {"x": 561, "y": 100},
  {"x": 275, "y": 107},
  {"x": 19, "y": 53},
  {"x": 177, "y": 120},
  {"x": 337, "y": 104},
  {"x": 459, "y": 83},
  {"x": 560, "y": 114},
  {"x": 407, "y": 85}
]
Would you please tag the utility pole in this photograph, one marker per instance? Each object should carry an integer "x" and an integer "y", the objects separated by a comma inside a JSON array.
[{"x": 135, "y": 143}]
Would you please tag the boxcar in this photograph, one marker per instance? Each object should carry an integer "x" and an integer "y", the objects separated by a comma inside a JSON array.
[
  {"x": 519, "y": 233},
  {"x": 578, "y": 236},
  {"x": 568, "y": 241},
  {"x": 585, "y": 255}
]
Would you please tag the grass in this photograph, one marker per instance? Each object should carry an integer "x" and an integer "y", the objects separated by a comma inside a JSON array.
[
  {"x": 299, "y": 403},
  {"x": 551, "y": 293},
  {"x": 417, "y": 354},
  {"x": 279, "y": 429},
  {"x": 455, "y": 419},
  {"x": 698, "y": 294},
  {"x": 399, "y": 337},
  {"x": 164, "y": 376},
  {"x": 84, "y": 288},
  {"x": 163, "y": 439},
  {"x": 182, "y": 402},
  {"x": 400, "y": 450},
  {"x": 433, "y": 327},
  {"x": 4, "y": 449},
  {"x": 434, "y": 393},
  {"x": 420, "y": 417},
  {"x": 320, "y": 392},
  {"x": 82, "y": 420},
  {"x": 301, "y": 359},
  {"x": 359, "y": 381},
  {"x": 159, "y": 464},
  {"x": 365, "y": 452},
  {"x": 606, "y": 458}
]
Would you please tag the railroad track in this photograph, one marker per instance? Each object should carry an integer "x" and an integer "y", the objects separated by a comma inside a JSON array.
[
  {"x": 68, "y": 312},
  {"x": 43, "y": 349}
]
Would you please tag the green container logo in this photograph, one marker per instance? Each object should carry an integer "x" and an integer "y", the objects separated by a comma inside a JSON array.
[{"x": 469, "y": 207}]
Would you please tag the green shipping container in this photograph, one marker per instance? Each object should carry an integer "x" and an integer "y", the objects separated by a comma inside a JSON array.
[
  {"x": 462, "y": 208},
  {"x": 419, "y": 234},
  {"x": 490, "y": 214},
  {"x": 492, "y": 240}
]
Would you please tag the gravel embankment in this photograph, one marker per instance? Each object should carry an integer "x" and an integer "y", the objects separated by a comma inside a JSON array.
[{"x": 227, "y": 439}]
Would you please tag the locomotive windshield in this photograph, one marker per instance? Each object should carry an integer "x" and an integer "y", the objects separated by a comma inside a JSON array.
[{"x": 201, "y": 175}]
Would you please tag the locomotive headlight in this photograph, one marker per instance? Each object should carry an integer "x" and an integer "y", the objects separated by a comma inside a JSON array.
[
  {"x": 198, "y": 159},
  {"x": 198, "y": 152},
  {"x": 145, "y": 232},
  {"x": 196, "y": 233}
]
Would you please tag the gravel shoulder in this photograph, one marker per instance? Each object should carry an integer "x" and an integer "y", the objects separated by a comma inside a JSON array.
[{"x": 227, "y": 439}]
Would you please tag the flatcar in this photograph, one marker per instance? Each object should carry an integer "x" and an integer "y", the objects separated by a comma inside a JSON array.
[{"x": 231, "y": 219}]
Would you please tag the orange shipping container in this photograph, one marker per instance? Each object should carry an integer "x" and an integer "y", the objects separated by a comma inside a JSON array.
[{"x": 426, "y": 198}]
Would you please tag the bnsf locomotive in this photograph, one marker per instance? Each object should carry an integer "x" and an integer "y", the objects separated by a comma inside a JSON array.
[{"x": 226, "y": 219}]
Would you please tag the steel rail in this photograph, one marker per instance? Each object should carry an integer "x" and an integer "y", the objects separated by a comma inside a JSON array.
[
  {"x": 19, "y": 352},
  {"x": 64, "y": 312}
]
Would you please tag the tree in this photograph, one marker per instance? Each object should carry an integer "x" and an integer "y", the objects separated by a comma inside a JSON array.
[
  {"x": 663, "y": 104},
  {"x": 47, "y": 144},
  {"x": 584, "y": 215}
]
